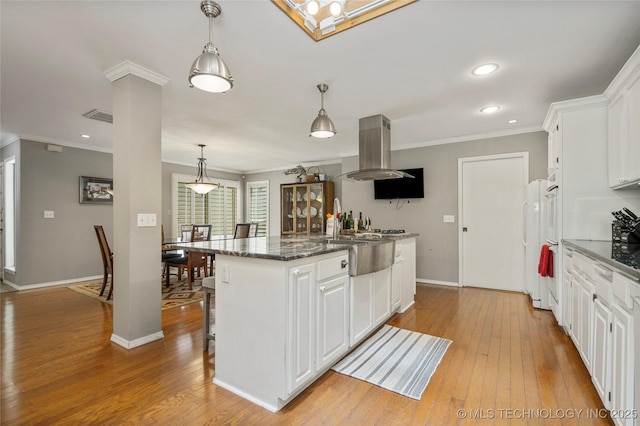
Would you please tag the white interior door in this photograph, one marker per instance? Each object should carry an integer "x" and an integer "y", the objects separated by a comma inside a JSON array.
[{"x": 491, "y": 190}]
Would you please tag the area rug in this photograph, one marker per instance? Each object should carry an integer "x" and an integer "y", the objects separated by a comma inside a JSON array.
[
  {"x": 177, "y": 294},
  {"x": 399, "y": 360}
]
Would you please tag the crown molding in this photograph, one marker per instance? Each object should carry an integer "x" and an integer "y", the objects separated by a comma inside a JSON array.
[
  {"x": 624, "y": 75},
  {"x": 572, "y": 105},
  {"x": 128, "y": 67}
]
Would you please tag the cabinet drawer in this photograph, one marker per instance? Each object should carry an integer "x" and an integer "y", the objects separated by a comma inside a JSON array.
[
  {"x": 586, "y": 265},
  {"x": 624, "y": 289},
  {"x": 603, "y": 284},
  {"x": 328, "y": 268},
  {"x": 567, "y": 259}
]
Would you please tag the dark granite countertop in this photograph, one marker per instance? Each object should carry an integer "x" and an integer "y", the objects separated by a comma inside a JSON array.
[
  {"x": 275, "y": 248},
  {"x": 624, "y": 257}
]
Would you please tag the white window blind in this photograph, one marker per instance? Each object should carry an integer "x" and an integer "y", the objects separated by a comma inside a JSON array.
[{"x": 258, "y": 205}]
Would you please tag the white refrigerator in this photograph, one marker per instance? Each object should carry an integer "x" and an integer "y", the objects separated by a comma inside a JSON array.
[{"x": 535, "y": 229}]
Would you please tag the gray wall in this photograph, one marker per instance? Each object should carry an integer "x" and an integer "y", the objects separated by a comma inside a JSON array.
[
  {"x": 276, "y": 178},
  {"x": 64, "y": 247},
  {"x": 437, "y": 246}
]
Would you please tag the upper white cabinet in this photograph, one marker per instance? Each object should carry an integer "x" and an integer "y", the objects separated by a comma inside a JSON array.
[
  {"x": 624, "y": 125},
  {"x": 553, "y": 155}
]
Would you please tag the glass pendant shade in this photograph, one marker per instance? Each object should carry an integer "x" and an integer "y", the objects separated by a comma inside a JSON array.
[
  {"x": 322, "y": 126},
  {"x": 199, "y": 185},
  {"x": 209, "y": 72}
]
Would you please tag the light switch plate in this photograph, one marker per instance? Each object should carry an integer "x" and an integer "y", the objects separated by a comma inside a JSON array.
[
  {"x": 225, "y": 273},
  {"x": 146, "y": 219},
  {"x": 49, "y": 214},
  {"x": 449, "y": 218}
]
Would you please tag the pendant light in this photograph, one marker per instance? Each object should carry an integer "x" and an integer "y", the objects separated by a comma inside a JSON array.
[
  {"x": 209, "y": 72},
  {"x": 200, "y": 186},
  {"x": 322, "y": 126}
]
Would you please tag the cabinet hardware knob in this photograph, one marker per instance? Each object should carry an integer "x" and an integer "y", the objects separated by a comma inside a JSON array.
[
  {"x": 344, "y": 264},
  {"x": 296, "y": 271},
  {"x": 322, "y": 289}
]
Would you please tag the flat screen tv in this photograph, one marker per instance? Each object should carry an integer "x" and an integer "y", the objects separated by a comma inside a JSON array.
[{"x": 389, "y": 189}]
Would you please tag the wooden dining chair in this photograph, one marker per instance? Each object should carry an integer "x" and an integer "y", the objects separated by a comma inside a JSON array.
[
  {"x": 191, "y": 260},
  {"x": 107, "y": 259},
  {"x": 242, "y": 230}
]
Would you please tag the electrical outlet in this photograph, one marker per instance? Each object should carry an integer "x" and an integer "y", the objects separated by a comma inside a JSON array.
[
  {"x": 225, "y": 273},
  {"x": 449, "y": 218},
  {"x": 49, "y": 214}
]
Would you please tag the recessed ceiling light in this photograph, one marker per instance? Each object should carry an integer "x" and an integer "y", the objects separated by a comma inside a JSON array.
[
  {"x": 512, "y": 121},
  {"x": 85, "y": 136},
  {"x": 484, "y": 69},
  {"x": 489, "y": 109}
]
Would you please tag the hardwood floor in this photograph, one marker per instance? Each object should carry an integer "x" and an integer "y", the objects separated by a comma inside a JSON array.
[{"x": 508, "y": 364}]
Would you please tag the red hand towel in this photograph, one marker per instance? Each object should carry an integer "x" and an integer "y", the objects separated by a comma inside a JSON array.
[
  {"x": 543, "y": 265},
  {"x": 550, "y": 265}
]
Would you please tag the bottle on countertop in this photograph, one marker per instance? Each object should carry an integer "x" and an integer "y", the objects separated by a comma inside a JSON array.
[{"x": 350, "y": 224}]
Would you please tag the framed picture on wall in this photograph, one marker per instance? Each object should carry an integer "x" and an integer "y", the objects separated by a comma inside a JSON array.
[{"x": 95, "y": 190}]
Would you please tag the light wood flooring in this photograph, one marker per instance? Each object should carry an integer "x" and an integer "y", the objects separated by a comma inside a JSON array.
[{"x": 508, "y": 364}]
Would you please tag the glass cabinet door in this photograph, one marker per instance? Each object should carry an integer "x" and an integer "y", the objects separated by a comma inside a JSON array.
[
  {"x": 288, "y": 212},
  {"x": 316, "y": 208},
  {"x": 302, "y": 220}
]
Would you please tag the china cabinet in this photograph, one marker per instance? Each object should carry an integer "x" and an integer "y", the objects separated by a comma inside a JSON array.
[{"x": 304, "y": 207}]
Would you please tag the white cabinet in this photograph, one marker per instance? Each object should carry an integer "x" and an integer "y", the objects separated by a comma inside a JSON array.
[
  {"x": 396, "y": 284},
  {"x": 624, "y": 125},
  {"x": 601, "y": 355},
  {"x": 408, "y": 253},
  {"x": 301, "y": 342},
  {"x": 581, "y": 309},
  {"x": 622, "y": 386},
  {"x": 333, "y": 320},
  {"x": 381, "y": 296},
  {"x": 370, "y": 303}
]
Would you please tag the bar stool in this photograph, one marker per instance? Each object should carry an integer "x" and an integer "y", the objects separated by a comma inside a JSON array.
[{"x": 208, "y": 332}]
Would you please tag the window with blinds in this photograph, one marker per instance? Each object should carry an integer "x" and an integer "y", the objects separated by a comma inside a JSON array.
[
  {"x": 218, "y": 208},
  {"x": 258, "y": 205}
]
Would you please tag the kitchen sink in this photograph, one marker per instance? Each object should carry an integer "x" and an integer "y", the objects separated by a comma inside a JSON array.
[{"x": 366, "y": 256}]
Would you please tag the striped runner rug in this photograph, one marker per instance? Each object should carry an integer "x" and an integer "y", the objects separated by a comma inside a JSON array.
[{"x": 399, "y": 360}]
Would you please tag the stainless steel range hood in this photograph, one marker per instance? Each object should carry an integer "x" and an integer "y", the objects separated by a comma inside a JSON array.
[{"x": 375, "y": 151}]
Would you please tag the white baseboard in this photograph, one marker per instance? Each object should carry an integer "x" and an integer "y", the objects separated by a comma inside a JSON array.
[
  {"x": 233, "y": 389},
  {"x": 438, "y": 282},
  {"x": 52, "y": 283},
  {"x": 129, "y": 344}
]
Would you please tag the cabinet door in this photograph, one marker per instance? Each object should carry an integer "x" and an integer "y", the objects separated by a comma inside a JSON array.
[
  {"x": 617, "y": 128},
  {"x": 396, "y": 284},
  {"x": 361, "y": 313},
  {"x": 586, "y": 304},
  {"x": 622, "y": 386},
  {"x": 575, "y": 309},
  {"x": 566, "y": 301},
  {"x": 287, "y": 209},
  {"x": 333, "y": 320},
  {"x": 301, "y": 341},
  {"x": 553, "y": 159},
  {"x": 381, "y": 296},
  {"x": 600, "y": 358},
  {"x": 302, "y": 207},
  {"x": 632, "y": 156}
]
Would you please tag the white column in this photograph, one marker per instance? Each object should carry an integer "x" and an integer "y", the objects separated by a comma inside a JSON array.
[{"x": 137, "y": 293}]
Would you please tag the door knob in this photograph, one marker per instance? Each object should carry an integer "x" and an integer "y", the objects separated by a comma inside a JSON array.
[{"x": 464, "y": 229}]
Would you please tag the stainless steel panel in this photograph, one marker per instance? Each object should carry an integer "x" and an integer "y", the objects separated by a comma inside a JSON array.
[{"x": 367, "y": 256}]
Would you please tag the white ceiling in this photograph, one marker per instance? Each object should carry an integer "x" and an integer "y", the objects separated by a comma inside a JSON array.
[{"x": 412, "y": 65}]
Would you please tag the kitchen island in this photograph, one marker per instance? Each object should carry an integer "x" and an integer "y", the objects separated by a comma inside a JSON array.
[{"x": 288, "y": 309}]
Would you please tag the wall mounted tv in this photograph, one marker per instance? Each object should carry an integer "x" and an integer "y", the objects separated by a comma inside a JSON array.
[{"x": 389, "y": 189}]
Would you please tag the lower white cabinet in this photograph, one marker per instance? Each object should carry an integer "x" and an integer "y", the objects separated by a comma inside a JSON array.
[
  {"x": 396, "y": 284},
  {"x": 601, "y": 355},
  {"x": 333, "y": 320},
  {"x": 622, "y": 385},
  {"x": 370, "y": 303},
  {"x": 301, "y": 341}
]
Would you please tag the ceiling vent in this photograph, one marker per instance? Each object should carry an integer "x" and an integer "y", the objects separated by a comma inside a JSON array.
[{"x": 96, "y": 114}]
